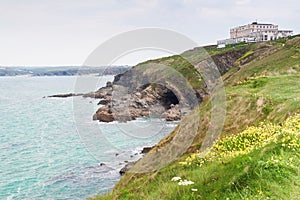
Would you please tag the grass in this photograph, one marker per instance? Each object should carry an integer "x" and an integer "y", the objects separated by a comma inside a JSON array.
[
  {"x": 260, "y": 163},
  {"x": 181, "y": 65},
  {"x": 272, "y": 98},
  {"x": 274, "y": 61},
  {"x": 253, "y": 159},
  {"x": 249, "y": 53}
]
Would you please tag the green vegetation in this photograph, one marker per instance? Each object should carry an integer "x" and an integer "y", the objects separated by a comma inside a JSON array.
[
  {"x": 260, "y": 163},
  {"x": 213, "y": 50},
  {"x": 258, "y": 154},
  {"x": 249, "y": 53},
  {"x": 181, "y": 65}
]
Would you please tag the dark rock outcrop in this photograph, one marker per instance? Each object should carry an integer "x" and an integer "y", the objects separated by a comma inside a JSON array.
[
  {"x": 146, "y": 150},
  {"x": 126, "y": 168},
  {"x": 105, "y": 101},
  {"x": 149, "y": 100},
  {"x": 102, "y": 93},
  {"x": 227, "y": 60},
  {"x": 65, "y": 95}
]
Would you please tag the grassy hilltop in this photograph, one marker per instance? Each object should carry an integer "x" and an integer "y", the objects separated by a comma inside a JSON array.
[{"x": 257, "y": 156}]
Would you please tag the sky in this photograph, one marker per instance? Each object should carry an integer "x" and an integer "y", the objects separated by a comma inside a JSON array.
[{"x": 65, "y": 32}]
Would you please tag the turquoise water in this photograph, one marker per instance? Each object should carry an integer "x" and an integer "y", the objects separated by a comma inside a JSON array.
[{"x": 51, "y": 149}]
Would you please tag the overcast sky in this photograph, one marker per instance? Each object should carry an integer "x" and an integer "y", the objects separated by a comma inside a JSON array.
[{"x": 65, "y": 32}]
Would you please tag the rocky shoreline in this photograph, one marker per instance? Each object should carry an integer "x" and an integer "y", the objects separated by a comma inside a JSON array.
[
  {"x": 129, "y": 165},
  {"x": 134, "y": 94},
  {"x": 65, "y": 95},
  {"x": 148, "y": 101},
  {"x": 152, "y": 91}
]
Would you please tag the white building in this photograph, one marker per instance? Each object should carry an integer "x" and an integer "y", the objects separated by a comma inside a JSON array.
[{"x": 255, "y": 32}]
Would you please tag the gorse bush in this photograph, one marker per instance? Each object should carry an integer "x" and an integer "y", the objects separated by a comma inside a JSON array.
[
  {"x": 287, "y": 135},
  {"x": 260, "y": 163}
]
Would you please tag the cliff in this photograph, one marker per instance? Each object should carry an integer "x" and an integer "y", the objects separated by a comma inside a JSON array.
[
  {"x": 168, "y": 87},
  {"x": 261, "y": 161}
]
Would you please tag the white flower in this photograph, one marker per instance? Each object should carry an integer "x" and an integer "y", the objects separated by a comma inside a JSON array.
[
  {"x": 185, "y": 182},
  {"x": 194, "y": 189},
  {"x": 176, "y": 178}
]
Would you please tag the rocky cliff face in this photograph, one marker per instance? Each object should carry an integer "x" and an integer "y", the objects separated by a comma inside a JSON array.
[
  {"x": 152, "y": 90},
  {"x": 147, "y": 101},
  {"x": 226, "y": 60}
]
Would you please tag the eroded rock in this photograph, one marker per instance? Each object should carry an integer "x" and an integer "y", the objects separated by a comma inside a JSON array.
[
  {"x": 126, "y": 168},
  {"x": 146, "y": 150},
  {"x": 104, "y": 114}
]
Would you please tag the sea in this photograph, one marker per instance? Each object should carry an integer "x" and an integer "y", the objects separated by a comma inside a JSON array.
[{"x": 50, "y": 148}]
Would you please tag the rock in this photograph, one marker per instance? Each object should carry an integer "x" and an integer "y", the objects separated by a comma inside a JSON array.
[
  {"x": 124, "y": 117},
  {"x": 105, "y": 101},
  {"x": 173, "y": 117},
  {"x": 135, "y": 113},
  {"x": 145, "y": 113},
  {"x": 109, "y": 93},
  {"x": 173, "y": 114},
  {"x": 126, "y": 168},
  {"x": 95, "y": 117},
  {"x": 109, "y": 84},
  {"x": 95, "y": 95},
  {"x": 138, "y": 94},
  {"x": 105, "y": 117},
  {"x": 90, "y": 94},
  {"x": 104, "y": 114},
  {"x": 124, "y": 98},
  {"x": 99, "y": 95},
  {"x": 102, "y": 93},
  {"x": 146, "y": 150},
  {"x": 65, "y": 95},
  {"x": 131, "y": 103}
]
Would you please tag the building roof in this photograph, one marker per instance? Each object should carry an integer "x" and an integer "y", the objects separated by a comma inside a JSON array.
[{"x": 256, "y": 23}]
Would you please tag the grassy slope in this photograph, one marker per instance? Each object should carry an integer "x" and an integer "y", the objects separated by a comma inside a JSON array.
[
  {"x": 182, "y": 66},
  {"x": 260, "y": 163},
  {"x": 262, "y": 86}
]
